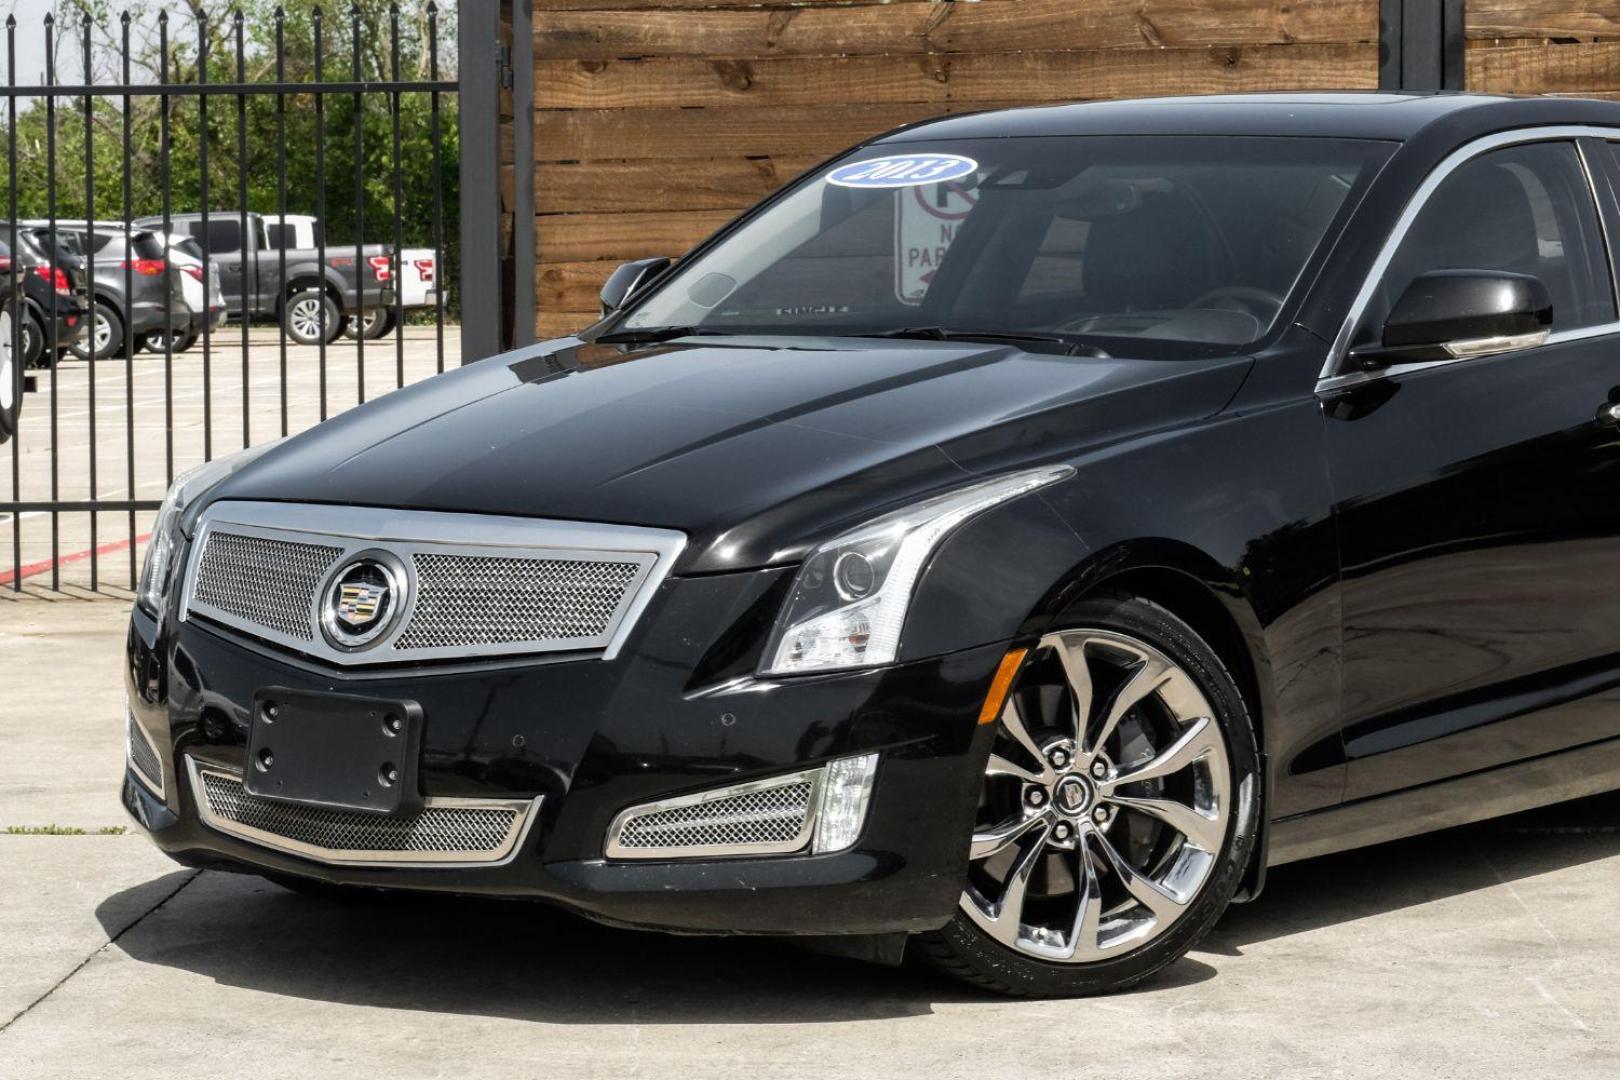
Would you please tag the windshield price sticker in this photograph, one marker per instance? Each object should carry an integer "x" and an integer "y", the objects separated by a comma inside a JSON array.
[{"x": 909, "y": 170}]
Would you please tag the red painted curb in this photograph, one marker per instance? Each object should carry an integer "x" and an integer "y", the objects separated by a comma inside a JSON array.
[{"x": 33, "y": 569}]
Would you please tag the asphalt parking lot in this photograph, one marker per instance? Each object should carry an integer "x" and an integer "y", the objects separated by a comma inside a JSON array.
[
  {"x": 236, "y": 396},
  {"x": 1480, "y": 952}
]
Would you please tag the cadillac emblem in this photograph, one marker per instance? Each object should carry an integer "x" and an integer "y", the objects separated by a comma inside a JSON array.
[{"x": 363, "y": 601}]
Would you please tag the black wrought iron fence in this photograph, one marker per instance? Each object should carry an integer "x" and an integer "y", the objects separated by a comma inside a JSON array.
[{"x": 153, "y": 328}]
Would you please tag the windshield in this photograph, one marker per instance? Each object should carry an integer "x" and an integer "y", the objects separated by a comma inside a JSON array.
[{"x": 1140, "y": 244}]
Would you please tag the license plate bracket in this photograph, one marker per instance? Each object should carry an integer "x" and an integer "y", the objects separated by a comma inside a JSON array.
[{"x": 338, "y": 750}]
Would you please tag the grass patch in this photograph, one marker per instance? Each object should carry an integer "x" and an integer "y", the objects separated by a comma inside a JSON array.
[{"x": 64, "y": 830}]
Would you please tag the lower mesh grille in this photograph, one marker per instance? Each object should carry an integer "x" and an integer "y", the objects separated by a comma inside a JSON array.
[
  {"x": 445, "y": 830},
  {"x": 143, "y": 757},
  {"x": 755, "y": 821}
]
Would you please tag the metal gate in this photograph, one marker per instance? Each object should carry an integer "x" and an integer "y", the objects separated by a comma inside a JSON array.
[{"x": 300, "y": 173}]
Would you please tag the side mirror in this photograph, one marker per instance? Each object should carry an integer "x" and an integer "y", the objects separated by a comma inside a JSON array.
[
  {"x": 1449, "y": 314},
  {"x": 627, "y": 280}
]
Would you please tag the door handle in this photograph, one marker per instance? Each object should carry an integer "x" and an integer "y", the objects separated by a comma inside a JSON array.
[{"x": 1610, "y": 414}]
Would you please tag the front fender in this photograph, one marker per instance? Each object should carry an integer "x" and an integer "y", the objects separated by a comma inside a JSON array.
[{"x": 992, "y": 580}]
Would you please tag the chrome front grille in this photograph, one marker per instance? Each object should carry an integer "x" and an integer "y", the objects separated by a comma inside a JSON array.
[
  {"x": 143, "y": 756},
  {"x": 766, "y": 817},
  {"x": 466, "y": 600},
  {"x": 474, "y": 586},
  {"x": 443, "y": 831},
  {"x": 263, "y": 582}
]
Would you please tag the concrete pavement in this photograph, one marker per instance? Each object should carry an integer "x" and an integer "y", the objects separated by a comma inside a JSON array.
[{"x": 1482, "y": 952}]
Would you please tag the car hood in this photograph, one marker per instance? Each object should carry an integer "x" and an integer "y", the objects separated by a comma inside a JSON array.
[{"x": 753, "y": 447}]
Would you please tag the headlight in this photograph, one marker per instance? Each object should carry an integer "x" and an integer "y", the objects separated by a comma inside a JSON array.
[
  {"x": 157, "y": 572},
  {"x": 849, "y": 601}
]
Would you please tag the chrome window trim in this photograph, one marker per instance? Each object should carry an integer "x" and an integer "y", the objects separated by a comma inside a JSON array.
[
  {"x": 816, "y": 778},
  {"x": 527, "y": 811},
  {"x": 1333, "y": 377},
  {"x": 1358, "y": 378},
  {"x": 407, "y": 532}
]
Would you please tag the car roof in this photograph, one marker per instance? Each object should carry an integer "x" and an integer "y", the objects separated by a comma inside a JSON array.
[{"x": 1347, "y": 114}]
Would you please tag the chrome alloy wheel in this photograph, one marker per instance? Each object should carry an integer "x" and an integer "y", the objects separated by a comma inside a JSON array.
[
  {"x": 1106, "y": 801},
  {"x": 102, "y": 336},
  {"x": 308, "y": 317}
]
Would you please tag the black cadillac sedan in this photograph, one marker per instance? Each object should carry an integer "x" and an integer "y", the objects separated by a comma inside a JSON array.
[{"x": 1002, "y": 545}]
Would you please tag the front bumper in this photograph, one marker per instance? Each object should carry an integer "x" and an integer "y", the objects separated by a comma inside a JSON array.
[{"x": 587, "y": 738}]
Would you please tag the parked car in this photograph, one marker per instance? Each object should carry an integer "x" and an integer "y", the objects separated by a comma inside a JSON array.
[
  {"x": 313, "y": 298},
  {"x": 124, "y": 259},
  {"x": 203, "y": 295},
  {"x": 416, "y": 280},
  {"x": 51, "y": 289},
  {"x": 1002, "y": 545}
]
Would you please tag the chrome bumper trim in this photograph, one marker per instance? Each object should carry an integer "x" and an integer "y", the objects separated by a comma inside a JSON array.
[{"x": 524, "y": 813}]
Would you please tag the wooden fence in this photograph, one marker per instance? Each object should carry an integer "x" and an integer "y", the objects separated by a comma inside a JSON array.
[{"x": 1544, "y": 47}]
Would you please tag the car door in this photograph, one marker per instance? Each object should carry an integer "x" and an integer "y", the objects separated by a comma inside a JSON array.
[
  {"x": 1478, "y": 500},
  {"x": 224, "y": 243}
]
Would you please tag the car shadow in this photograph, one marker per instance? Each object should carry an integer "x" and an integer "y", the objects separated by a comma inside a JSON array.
[
  {"x": 1335, "y": 889},
  {"x": 518, "y": 960}
]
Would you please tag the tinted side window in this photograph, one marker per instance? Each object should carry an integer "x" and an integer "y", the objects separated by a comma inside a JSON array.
[
  {"x": 280, "y": 236},
  {"x": 224, "y": 236},
  {"x": 1521, "y": 209},
  {"x": 146, "y": 246}
]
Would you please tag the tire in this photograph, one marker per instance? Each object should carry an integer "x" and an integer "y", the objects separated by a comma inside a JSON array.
[
  {"x": 379, "y": 322},
  {"x": 33, "y": 341},
  {"x": 1190, "y": 732},
  {"x": 307, "y": 313},
  {"x": 153, "y": 342},
  {"x": 12, "y": 362},
  {"x": 106, "y": 333}
]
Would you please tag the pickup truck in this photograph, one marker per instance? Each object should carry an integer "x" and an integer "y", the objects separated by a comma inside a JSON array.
[
  {"x": 416, "y": 281},
  {"x": 315, "y": 297}
]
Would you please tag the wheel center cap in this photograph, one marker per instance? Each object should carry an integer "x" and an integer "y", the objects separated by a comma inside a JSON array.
[{"x": 1073, "y": 795}]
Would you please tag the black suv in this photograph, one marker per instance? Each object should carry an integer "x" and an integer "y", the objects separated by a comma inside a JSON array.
[{"x": 1004, "y": 543}]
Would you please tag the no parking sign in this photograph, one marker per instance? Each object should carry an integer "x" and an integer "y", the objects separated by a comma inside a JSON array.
[{"x": 925, "y": 223}]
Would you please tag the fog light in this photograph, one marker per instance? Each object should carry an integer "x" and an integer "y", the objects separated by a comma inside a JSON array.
[{"x": 846, "y": 790}]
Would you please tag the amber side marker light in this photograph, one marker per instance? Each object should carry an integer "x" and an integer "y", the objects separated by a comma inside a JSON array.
[{"x": 1005, "y": 673}]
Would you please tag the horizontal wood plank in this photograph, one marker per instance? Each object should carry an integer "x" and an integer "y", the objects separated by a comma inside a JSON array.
[
  {"x": 621, "y": 84},
  {"x": 693, "y": 184},
  {"x": 823, "y": 30},
  {"x": 818, "y": 130},
  {"x": 1542, "y": 18},
  {"x": 571, "y": 286},
  {"x": 550, "y": 324},
  {"x": 937, "y": 79},
  {"x": 1576, "y": 68},
  {"x": 586, "y": 237},
  {"x": 738, "y": 5}
]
